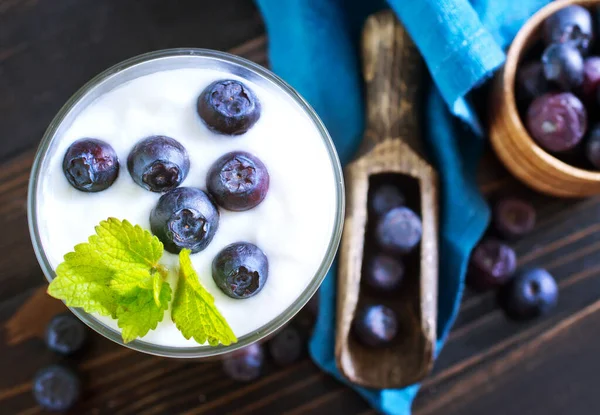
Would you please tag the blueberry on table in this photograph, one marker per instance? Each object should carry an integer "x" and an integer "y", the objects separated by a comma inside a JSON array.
[
  {"x": 238, "y": 181},
  {"x": 245, "y": 364},
  {"x": 591, "y": 78},
  {"x": 399, "y": 231},
  {"x": 228, "y": 107},
  {"x": 384, "y": 198},
  {"x": 56, "y": 388},
  {"x": 185, "y": 217},
  {"x": 383, "y": 273},
  {"x": 91, "y": 165},
  {"x": 65, "y": 334},
  {"x": 557, "y": 121},
  {"x": 513, "y": 217},
  {"x": 531, "y": 294},
  {"x": 592, "y": 146},
  {"x": 158, "y": 163},
  {"x": 573, "y": 25},
  {"x": 563, "y": 65},
  {"x": 531, "y": 81},
  {"x": 375, "y": 325},
  {"x": 240, "y": 270},
  {"x": 492, "y": 264},
  {"x": 287, "y": 346}
]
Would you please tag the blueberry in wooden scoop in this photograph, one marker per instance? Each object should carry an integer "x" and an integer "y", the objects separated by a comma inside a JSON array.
[
  {"x": 91, "y": 165},
  {"x": 399, "y": 231},
  {"x": 228, "y": 107},
  {"x": 185, "y": 217},
  {"x": 385, "y": 198},
  {"x": 238, "y": 181},
  {"x": 240, "y": 270},
  {"x": 158, "y": 163},
  {"x": 375, "y": 325},
  {"x": 383, "y": 273}
]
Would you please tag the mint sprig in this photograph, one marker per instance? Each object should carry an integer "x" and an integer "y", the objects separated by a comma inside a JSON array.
[
  {"x": 117, "y": 273},
  {"x": 194, "y": 311}
]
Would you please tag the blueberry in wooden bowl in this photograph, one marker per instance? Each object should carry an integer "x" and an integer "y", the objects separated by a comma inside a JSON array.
[{"x": 542, "y": 145}]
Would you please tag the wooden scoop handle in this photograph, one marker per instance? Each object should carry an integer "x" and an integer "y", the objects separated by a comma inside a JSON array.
[{"x": 393, "y": 72}]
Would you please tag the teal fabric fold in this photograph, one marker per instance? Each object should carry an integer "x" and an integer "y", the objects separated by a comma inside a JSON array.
[{"x": 314, "y": 46}]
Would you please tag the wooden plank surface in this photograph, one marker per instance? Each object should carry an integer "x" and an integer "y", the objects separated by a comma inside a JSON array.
[{"x": 490, "y": 365}]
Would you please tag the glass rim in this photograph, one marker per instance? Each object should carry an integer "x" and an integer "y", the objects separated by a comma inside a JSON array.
[{"x": 199, "y": 351}]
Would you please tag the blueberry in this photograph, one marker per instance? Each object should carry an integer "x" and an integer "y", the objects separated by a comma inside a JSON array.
[
  {"x": 185, "y": 217},
  {"x": 563, "y": 65},
  {"x": 91, "y": 165},
  {"x": 532, "y": 293},
  {"x": 228, "y": 107},
  {"x": 56, "y": 388},
  {"x": 492, "y": 264},
  {"x": 514, "y": 218},
  {"x": 65, "y": 334},
  {"x": 557, "y": 121},
  {"x": 592, "y": 146},
  {"x": 238, "y": 181},
  {"x": 399, "y": 231},
  {"x": 245, "y": 364},
  {"x": 572, "y": 24},
  {"x": 591, "y": 78},
  {"x": 531, "y": 81},
  {"x": 383, "y": 273},
  {"x": 385, "y": 198},
  {"x": 158, "y": 163},
  {"x": 240, "y": 270},
  {"x": 287, "y": 346},
  {"x": 375, "y": 325}
]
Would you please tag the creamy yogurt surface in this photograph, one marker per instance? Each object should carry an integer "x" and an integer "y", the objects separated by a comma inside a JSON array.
[{"x": 293, "y": 226}]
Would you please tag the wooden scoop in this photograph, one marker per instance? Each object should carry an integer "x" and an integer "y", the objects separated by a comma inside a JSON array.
[{"x": 393, "y": 72}]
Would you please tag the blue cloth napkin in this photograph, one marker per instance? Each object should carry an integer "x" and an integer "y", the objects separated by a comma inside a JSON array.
[{"x": 314, "y": 46}]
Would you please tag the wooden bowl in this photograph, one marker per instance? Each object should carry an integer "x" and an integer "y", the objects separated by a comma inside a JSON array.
[{"x": 510, "y": 139}]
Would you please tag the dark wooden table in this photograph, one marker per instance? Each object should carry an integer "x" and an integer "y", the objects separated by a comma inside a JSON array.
[{"x": 490, "y": 365}]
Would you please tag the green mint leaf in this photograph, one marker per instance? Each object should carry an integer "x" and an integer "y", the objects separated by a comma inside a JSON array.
[
  {"x": 138, "y": 313},
  {"x": 124, "y": 245},
  {"x": 194, "y": 311},
  {"x": 157, "y": 285},
  {"x": 82, "y": 281},
  {"x": 116, "y": 273}
]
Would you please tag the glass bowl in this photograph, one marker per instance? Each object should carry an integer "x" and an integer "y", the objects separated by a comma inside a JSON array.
[{"x": 150, "y": 63}]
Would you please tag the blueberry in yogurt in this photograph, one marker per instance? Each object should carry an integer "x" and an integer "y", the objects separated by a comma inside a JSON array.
[
  {"x": 158, "y": 163},
  {"x": 238, "y": 181},
  {"x": 91, "y": 165},
  {"x": 240, "y": 270},
  {"x": 185, "y": 217},
  {"x": 228, "y": 107}
]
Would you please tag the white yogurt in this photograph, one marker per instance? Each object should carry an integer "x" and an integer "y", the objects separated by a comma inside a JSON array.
[{"x": 293, "y": 225}]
